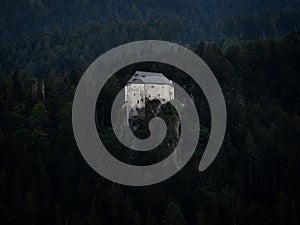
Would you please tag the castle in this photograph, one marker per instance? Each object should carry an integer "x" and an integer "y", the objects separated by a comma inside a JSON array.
[{"x": 148, "y": 85}]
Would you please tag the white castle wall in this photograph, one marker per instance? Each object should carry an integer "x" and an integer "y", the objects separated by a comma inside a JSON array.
[
  {"x": 162, "y": 92},
  {"x": 135, "y": 94}
]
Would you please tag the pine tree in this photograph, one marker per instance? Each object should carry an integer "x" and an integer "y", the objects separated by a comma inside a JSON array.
[
  {"x": 17, "y": 200},
  {"x": 150, "y": 219},
  {"x": 30, "y": 209},
  {"x": 76, "y": 218},
  {"x": 93, "y": 218},
  {"x": 59, "y": 218},
  {"x": 3, "y": 188},
  {"x": 201, "y": 219},
  {"x": 173, "y": 215},
  {"x": 250, "y": 151}
]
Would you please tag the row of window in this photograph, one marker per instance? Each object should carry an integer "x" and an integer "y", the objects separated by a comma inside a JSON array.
[
  {"x": 150, "y": 95},
  {"x": 154, "y": 86},
  {"x": 142, "y": 100}
]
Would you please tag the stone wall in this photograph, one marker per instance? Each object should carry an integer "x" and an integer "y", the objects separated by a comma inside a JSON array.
[{"x": 135, "y": 94}]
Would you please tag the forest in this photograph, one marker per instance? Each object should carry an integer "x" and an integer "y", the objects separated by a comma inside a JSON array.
[
  {"x": 254, "y": 179},
  {"x": 197, "y": 20},
  {"x": 253, "y": 48}
]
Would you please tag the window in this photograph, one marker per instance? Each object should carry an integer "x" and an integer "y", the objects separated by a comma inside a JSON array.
[
  {"x": 149, "y": 96},
  {"x": 158, "y": 95},
  {"x": 138, "y": 101},
  {"x": 164, "y": 99},
  {"x": 152, "y": 86}
]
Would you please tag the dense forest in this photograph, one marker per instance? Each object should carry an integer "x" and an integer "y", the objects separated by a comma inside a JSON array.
[
  {"x": 253, "y": 48},
  {"x": 203, "y": 19},
  {"x": 254, "y": 179}
]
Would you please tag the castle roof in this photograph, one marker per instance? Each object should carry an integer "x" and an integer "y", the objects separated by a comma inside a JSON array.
[{"x": 142, "y": 77}]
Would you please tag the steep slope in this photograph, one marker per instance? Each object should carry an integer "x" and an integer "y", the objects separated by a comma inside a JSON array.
[{"x": 199, "y": 19}]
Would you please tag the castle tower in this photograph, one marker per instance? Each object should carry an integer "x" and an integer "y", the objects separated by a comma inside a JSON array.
[{"x": 147, "y": 85}]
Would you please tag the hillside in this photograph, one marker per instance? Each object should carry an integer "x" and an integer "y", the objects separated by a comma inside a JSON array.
[
  {"x": 205, "y": 19},
  {"x": 254, "y": 179},
  {"x": 252, "y": 47}
]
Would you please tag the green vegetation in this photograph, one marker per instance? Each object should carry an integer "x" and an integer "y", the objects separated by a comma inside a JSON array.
[
  {"x": 196, "y": 20},
  {"x": 45, "y": 180}
]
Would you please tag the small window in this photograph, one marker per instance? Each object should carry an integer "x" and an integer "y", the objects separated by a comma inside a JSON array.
[
  {"x": 134, "y": 94},
  {"x": 164, "y": 99},
  {"x": 152, "y": 86},
  {"x": 149, "y": 96},
  {"x": 158, "y": 95},
  {"x": 138, "y": 101}
]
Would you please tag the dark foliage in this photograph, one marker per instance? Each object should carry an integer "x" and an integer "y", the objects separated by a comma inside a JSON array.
[
  {"x": 254, "y": 179},
  {"x": 205, "y": 19}
]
